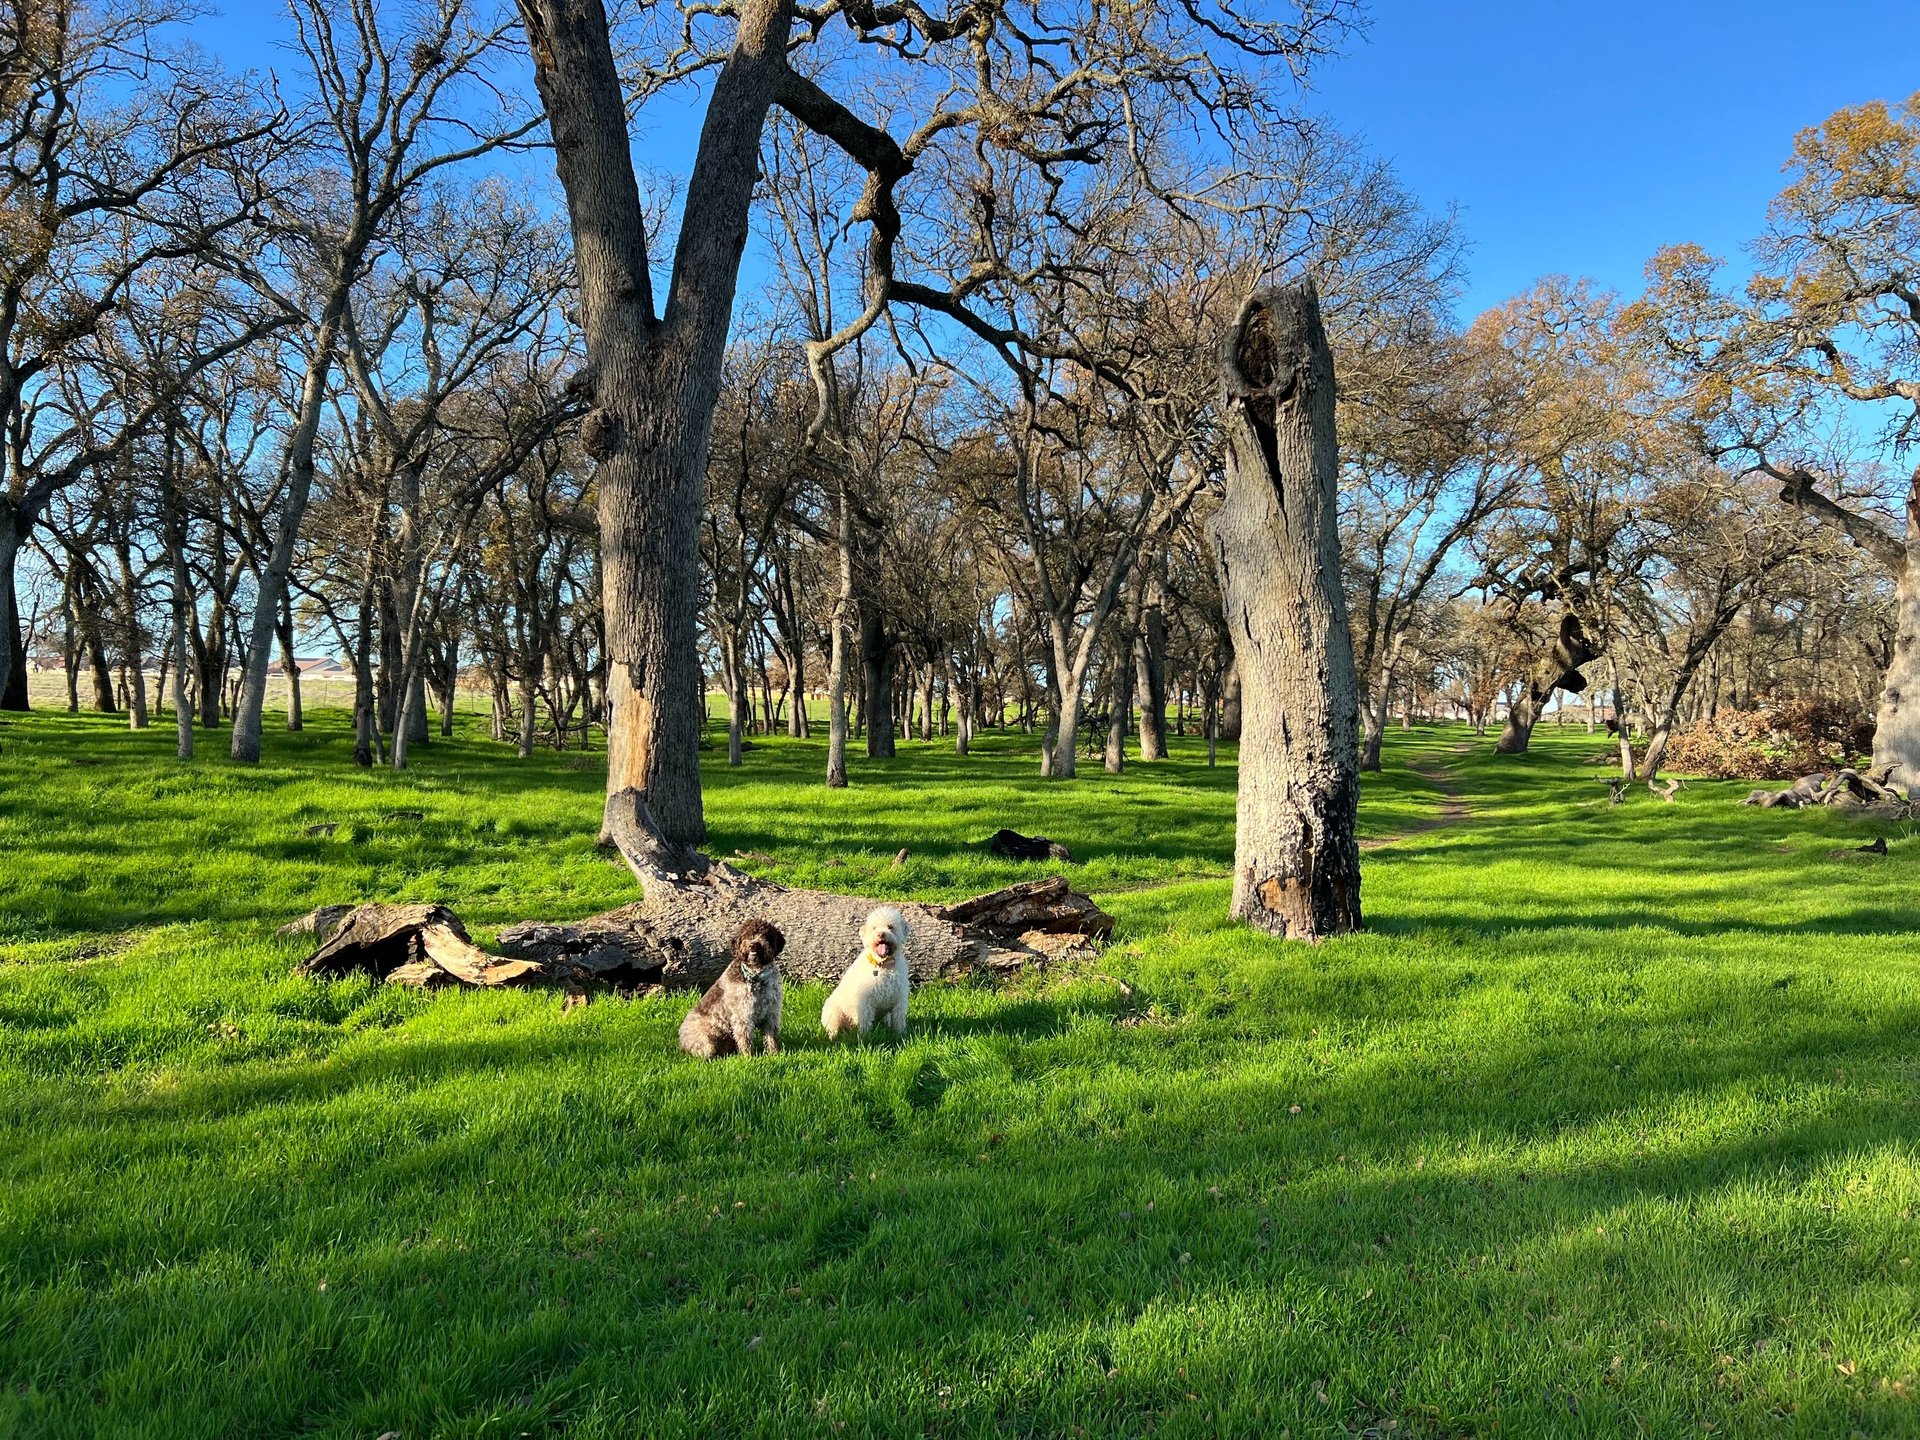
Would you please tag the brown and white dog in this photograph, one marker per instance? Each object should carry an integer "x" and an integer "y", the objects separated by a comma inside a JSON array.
[
  {"x": 875, "y": 986},
  {"x": 745, "y": 998}
]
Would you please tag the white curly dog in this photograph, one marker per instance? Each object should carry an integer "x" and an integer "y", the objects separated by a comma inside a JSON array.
[{"x": 875, "y": 985}]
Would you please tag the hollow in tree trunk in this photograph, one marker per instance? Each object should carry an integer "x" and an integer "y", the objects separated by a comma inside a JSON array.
[{"x": 1277, "y": 551}]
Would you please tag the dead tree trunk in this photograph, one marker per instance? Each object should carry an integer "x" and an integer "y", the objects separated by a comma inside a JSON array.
[
  {"x": 1896, "y": 728},
  {"x": 680, "y": 934},
  {"x": 1277, "y": 549}
]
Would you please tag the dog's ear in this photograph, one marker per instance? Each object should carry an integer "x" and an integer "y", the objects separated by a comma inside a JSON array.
[{"x": 776, "y": 942}]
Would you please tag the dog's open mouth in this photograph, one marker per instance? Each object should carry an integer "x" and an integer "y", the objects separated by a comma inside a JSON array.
[{"x": 883, "y": 947}]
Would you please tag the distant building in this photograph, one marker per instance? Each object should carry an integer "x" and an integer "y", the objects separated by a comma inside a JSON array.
[{"x": 323, "y": 666}]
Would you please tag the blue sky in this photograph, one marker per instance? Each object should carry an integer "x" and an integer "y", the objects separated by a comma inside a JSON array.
[{"x": 1575, "y": 138}]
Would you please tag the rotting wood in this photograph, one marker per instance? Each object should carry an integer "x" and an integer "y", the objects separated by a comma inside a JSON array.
[
  {"x": 680, "y": 933},
  {"x": 1012, "y": 845},
  {"x": 1868, "y": 793}
]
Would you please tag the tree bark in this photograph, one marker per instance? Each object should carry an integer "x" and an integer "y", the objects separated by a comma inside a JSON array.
[
  {"x": 681, "y": 933},
  {"x": 86, "y": 615},
  {"x": 290, "y": 665},
  {"x": 1151, "y": 675},
  {"x": 13, "y": 654},
  {"x": 250, "y": 708},
  {"x": 132, "y": 657},
  {"x": 876, "y": 652},
  {"x": 1230, "y": 705},
  {"x": 837, "y": 647},
  {"x": 1896, "y": 728},
  {"x": 1373, "y": 722},
  {"x": 654, "y": 383},
  {"x": 1558, "y": 670},
  {"x": 1277, "y": 550},
  {"x": 1121, "y": 701}
]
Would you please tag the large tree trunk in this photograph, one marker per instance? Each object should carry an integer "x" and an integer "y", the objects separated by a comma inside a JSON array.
[
  {"x": 1121, "y": 702},
  {"x": 1230, "y": 705},
  {"x": 1558, "y": 670},
  {"x": 182, "y": 619},
  {"x": 290, "y": 665},
  {"x": 250, "y": 708},
  {"x": 1277, "y": 549},
  {"x": 733, "y": 675},
  {"x": 409, "y": 578},
  {"x": 877, "y": 653},
  {"x": 653, "y": 382},
  {"x": 450, "y": 681},
  {"x": 13, "y": 654},
  {"x": 1896, "y": 728},
  {"x": 1373, "y": 721},
  {"x": 133, "y": 657},
  {"x": 1151, "y": 674},
  {"x": 837, "y": 646},
  {"x": 1069, "y": 690},
  {"x": 681, "y": 933},
  {"x": 86, "y": 614}
]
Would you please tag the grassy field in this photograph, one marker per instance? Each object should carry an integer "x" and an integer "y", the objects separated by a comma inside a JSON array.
[{"x": 1610, "y": 1124}]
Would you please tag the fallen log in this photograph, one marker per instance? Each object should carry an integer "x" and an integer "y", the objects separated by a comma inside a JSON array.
[
  {"x": 680, "y": 933},
  {"x": 1859, "y": 792},
  {"x": 1012, "y": 845},
  {"x": 413, "y": 945}
]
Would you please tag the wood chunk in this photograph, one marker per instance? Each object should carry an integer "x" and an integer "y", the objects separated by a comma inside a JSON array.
[
  {"x": 1012, "y": 845},
  {"x": 318, "y": 923}
]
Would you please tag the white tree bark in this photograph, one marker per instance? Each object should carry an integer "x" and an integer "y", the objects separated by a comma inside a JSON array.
[
  {"x": 1896, "y": 728},
  {"x": 1276, "y": 545}
]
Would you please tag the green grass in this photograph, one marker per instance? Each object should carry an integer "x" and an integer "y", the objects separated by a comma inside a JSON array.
[{"x": 1607, "y": 1126}]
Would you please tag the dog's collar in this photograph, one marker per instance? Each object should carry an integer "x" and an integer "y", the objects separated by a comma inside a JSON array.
[{"x": 751, "y": 973}]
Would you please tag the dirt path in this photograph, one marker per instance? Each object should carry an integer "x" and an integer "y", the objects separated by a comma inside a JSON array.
[{"x": 1453, "y": 811}]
